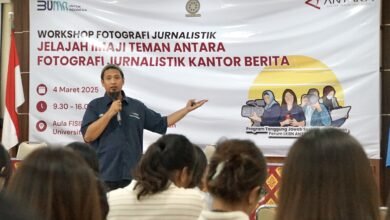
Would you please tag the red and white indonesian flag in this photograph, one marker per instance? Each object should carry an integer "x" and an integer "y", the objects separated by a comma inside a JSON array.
[{"x": 14, "y": 98}]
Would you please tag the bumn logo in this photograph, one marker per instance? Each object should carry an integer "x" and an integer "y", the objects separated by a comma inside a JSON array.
[{"x": 50, "y": 5}]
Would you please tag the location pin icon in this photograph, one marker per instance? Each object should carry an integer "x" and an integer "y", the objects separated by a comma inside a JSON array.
[{"x": 41, "y": 126}]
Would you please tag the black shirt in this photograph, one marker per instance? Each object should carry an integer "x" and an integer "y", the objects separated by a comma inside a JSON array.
[{"x": 119, "y": 147}]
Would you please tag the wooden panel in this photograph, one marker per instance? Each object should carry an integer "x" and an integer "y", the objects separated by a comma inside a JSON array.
[
  {"x": 22, "y": 40},
  {"x": 385, "y": 11},
  {"x": 385, "y": 104},
  {"x": 275, "y": 159},
  {"x": 385, "y": 92},
  {"x": 385, "y": 41},
  {"x": 21, "y": 15},
  {"x": 376, "y": 170}
]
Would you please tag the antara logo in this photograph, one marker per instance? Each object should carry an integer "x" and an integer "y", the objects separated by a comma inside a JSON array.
[
  {"x": 313, "y": 3},
  {"x": 336, "y": 3}
]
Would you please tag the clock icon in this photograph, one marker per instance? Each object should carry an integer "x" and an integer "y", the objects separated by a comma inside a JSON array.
[{"x": 193, "y": 6}]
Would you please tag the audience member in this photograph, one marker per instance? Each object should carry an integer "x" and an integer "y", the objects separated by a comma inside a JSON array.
[
  {"x": 237, "y": 172},
  {"x": 57, "y": 184},
  {"x": 5, "y": 167},
  {"x": 327, "y": 176},
  {"x": 89, "y": 155},
  {"x": 157, "y": 190},
  {"x": 198, "y": 174}
]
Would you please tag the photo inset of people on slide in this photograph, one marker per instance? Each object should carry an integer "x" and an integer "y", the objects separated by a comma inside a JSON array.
[{"x": 313, "y": 111}]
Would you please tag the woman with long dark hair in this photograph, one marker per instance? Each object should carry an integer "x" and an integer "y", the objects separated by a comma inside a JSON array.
[
  {"x": 57, "y": 184},
  {"x": 291, "y": 113},
  {"x": 158, "y": 190},
  {"x": 327, "y": 176}
]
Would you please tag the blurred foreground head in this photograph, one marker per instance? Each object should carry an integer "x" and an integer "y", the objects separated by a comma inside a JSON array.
[
  {"x": 58, "y": 184},
  {"x": 327, "y": 175}
]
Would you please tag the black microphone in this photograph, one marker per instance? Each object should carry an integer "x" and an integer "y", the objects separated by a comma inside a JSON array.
[{"x": 115, "y": 96}]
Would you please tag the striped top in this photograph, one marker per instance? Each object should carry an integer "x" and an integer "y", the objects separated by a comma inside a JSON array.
[
  {"x": 173, "y": 203},
  {"x": 210, "y": 215}
]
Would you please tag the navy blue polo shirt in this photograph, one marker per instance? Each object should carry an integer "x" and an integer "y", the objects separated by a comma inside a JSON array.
[{"x": 119, "y": 147}]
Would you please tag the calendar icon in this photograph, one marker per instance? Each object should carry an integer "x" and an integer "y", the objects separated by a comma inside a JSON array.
[{"x": 41, "y": 89}]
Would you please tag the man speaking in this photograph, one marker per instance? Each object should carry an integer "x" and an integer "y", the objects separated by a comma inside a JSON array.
[{"x": 114, "y": 124}]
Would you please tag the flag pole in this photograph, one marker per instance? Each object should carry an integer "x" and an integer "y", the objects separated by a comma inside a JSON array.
[{"x": 11, "y": 19}]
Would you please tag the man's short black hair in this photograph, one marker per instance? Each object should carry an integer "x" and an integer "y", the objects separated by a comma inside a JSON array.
[{"x": 111, "y": 66}]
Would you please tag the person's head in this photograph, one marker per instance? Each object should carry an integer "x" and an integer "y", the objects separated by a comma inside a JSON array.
[
  {"x": 327, "y": 175},
  {"x": 313, "y": 100},
  {"x": 199, "y": 169},
  {"x": 289, "y": 97},
  {"x": 87, "y": 153},
  {"x": 268, "y": 97},
  {"x": 304, "y": 100},
  {"x": 112, "y": 78},
  {"x": 237, "y": 172},
  {"x": 5, "y": 167},
  {"x": 170, "y": 159},
  {"x": 58, "y": 184},
  {"x": 313, "y": 91},
  {"x": 329, "y": 91}
]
